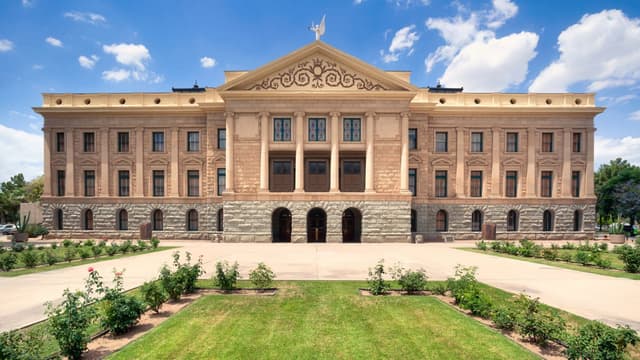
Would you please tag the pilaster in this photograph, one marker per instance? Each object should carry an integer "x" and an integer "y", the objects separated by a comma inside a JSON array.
[
  {"x": 335, "y": 154},
  {"x": 369, "y": 170},
  {"x": 299, "y": 181},
  {"x": 47, "y": 163},
  {"x": 588, "y": 172},
  {"x": 139, "y": 189},
  {"x": 404, "y": 158},
  {"x": 174, "y": 163},
  {"x": 229, "y": 167},
  {"x": 264, "y": 151},
  {"x": 531, "y": 162},
  {"x": 69, "y": 181},
  {"x": 565, "y": 190},
  {"x": 495, "y": 162},
  {"x": 460, "y": 153},
  {"x": 104, "y": 163}
]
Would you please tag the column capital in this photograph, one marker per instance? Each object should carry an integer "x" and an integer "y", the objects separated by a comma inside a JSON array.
[
  {"x": 263, "y": 114},
  {"x": 299, "y": 114},
  {"x": 334, "y": 114},
  {"x": 405, "y": 114},
  {"x": 370, "y": 114},
  {"x": 229, "y": 114}
]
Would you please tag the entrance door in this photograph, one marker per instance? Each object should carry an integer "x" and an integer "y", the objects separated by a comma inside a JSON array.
[
  {"x": 316, "y": 225},
  {"x": 281, "y": 225},
  {"x": 352, "y": 175},
  {"x": 316, "y": 175},
  {"x": 351, "y": 225},
  {"x": 281, "y": 175}
]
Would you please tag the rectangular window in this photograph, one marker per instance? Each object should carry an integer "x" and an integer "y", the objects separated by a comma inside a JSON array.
[
  {"x": 546, "y": 183},
  {"x": 351, "y": 129},
  {"x": 193, "y": 183},
  {"x": 193, "y": 141},
  {"x": 89, "y": 183},
  {"x": 282, "y": 129},
  {"x": 59, "y": 141},
  {"x": 547, "y": 142},
  {"x": 158, "y": 182},
  {"x": 577, "y": 142},
  {"x": 441, "y": 183},
  {"x": 222, "y": 138},
  {"x": 476, "y": 142},
  {"x": 89, "y": 142},
  {"x": 512, "y": 142},
  {"x": 317, "y": 129},
  {"x": 281, "y": 179},
  {"x": 413, "y": 139},
  {"x": 222, "y": 184},
  {"x": 60, "y": 182},
  {"x": 575, "y": 184},
  {"x": 123, "y": 142},
  {"x": 157, "y": 141},
  {"x": 123, "y": 183},
  {"x": 317, "y": 167},
  {"x": 442, "y": 142},
  {"x": 412, "y": 181},
  {"x": 511, "y": 189},
  {"x": 476, "y": 184}
]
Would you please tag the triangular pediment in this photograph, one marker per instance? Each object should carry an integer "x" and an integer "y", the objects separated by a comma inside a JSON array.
[
  {"x": 512, "y": 162},
  {"x": 441, "y": 162},
  {"x": 477, "y": 162}
]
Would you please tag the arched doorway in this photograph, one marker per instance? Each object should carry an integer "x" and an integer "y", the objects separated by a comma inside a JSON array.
[
  {"x": 157, "y": 220},
  {"x": 123, "y": 220},
  {"x": 351, "y": 225},
  {"x": 88, "y": 219},
  {"x": 58, "y": 219},
  {"x": 281, "y": 225},
  {"x": 316, "y": 225}
]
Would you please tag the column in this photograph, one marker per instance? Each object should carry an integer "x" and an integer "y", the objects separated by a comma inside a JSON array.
[
  {"x": 460, "y": 176},
  {"x": 495, "y": 162},
  {"x": 264, "y": 151},
  {"x": 104, "y": 163},
  {"x": 404, "y": 157},
  {"x": 230, "y": 122},
  {"x": 47, "y": 163},
  {"x": 174, "y": 163},
  {"x": 565, "y": 190},
  {"x": 139, "y": 163},
  {"x": 588, "y": 172},
  {"x": 531, "y": 162},
  {"x": 368, "y": 181},
  {"x": 335, "y": 152},
  {"x": 69, "y": 180},
  {"x": 299, "y": 151}
]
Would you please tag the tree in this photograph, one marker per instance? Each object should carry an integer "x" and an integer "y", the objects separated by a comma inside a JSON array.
[
  {"x": 626, "y": 193},
  {"x": 12, "y": 193},
  {"x": 34, "y": 189},
  {"x": 606, "y": 179}
]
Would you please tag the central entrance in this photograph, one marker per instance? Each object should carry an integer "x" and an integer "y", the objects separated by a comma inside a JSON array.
[
  {"x": 316, "y": 225},
  {"x": 281, "y": 225}
]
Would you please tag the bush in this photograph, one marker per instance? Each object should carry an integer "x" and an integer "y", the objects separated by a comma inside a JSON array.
[
  {"x": 54, "y": 246},
  {"x": 125, "y": 246},
  {"x": 50, "y": 257},
  {"x": 440, "y": 288},
  {"x": 568, "y": 246},
  {"x": 134, "y": 248},
  {"x": 155, "y": 242},
  {"x": 8, "y": 261},
  {"x": 565, "y": 256},
  {"x": 262, "y": 276},
  {"x": 183, "y": 279},
  {"x": 30, "y": 258},
  {"x": 31, "y": 247},
  {"x": 142, "y": 246},
  {"x": 69, "y": 254},
  {"x": 96, "y": 250},
  {"x": 77, "y": 244},
  {"x": 153, "y": 295},
  {"x": 20, "y": 345},
  {"x": 536, "y": 325},
  {"x": 69, "y": 323},
  {"x": 529, "y": 249},
  {"x": 550, "y": 254},
  {"x": 67, "y": 243},
  {"x": 482, "y": 245},
  {"x": 603, "y": 246},
  {"x": 603, "y": 263},
  {"x": 103, "y": 243},
  {"x": 465, "y": 278},
  {"x": 84, "y": 253},
  {"x": 226, "y": 275},
  {"x": 411, "y": 280},
  {"x": 377, "y": 284},
  {"x": 582, "y": 257},
  {"x": 113, "y": 249},
  {"x": 496, "y": 246},
  {"x": 504, "y": 317},
  {"x": 171, "y": 284},
  {"x": 35, "y": 230},
  {"x": 631, "y": 258},
  {"x": 89, "y": 243},
  {"x": 596, "y": 340},
  {"x": 17, "y": 248},
  {"x": 118, "y": 312}
]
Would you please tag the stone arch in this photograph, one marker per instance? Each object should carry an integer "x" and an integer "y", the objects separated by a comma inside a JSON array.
[
  {"x": 122, "y": 219},
  {"x": 477, "y": 218},
  {"x": 157, "y": 220},
  {"x": 317, "y": 225},
  {"x": 87, "y": 219},
  {"x": 351, "y": 225},
  {"x": 442, "y": 221},
  {"x": 192, "y": 220},
  {"x": 513, "y": 220},
  {"x": 281, "y": 221},
  {"x": 548, "y": 220}
]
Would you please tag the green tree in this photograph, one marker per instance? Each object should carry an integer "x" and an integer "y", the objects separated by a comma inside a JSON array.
[
  {"x": 12, "y": 193},
  {"x": 606, "y": 179},
  {"x": 33, "y": 189}
]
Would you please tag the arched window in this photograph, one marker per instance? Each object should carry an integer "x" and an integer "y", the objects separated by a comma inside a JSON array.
[
  {"x": 442, "y": 221},
  {"x": 547, "y": 221},
  {"x": 192, "y": 220},
  {"x": 512, "y": 220},
  {"x": 58, "y": 219},
  {"x": 577, "y": 220},
  {"x": 221, "y": 220},
  {"x": 156, "y": 218},
  {"x": 414, "y": 221},
  {"x": 88, "y": 219},
  {"x": 123, "y": 220},
  {"x": 476, "y": 221}
]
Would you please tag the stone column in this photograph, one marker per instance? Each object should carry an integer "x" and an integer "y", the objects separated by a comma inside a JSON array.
[
  {"x": 139, "y": 163},
  {"x": 104, "y": 163},
  {"x": 565, "y": 189},
  {"x": 368, "y": 181},
  {"x": 495, "y": 162},
  {"x": 460, "y": 163},
  {"x": 174, "y": 163},
  {"x": 299, "y": 151},
  {"x": 230, "y": 122},
  {"x": 69, "y": 181},
  {"x": 588, "y": 173},
  {"x": 47, "y": 163},
  {"x": 264, "y": 151},
  {"x": 531, "y": 162},
  {"x": 404, "y": 158},
  {"x": 335, "y": 152}
]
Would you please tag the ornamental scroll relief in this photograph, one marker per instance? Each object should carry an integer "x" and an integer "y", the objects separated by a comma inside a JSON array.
[{"x": 317, "y": 73}]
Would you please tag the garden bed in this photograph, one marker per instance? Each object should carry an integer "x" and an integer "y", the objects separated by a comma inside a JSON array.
[
  {"x": 241, "y": 291},
  {"x": 395, "y": 292}
]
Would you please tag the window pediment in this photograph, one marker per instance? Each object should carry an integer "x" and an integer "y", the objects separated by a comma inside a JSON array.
[{"x": 441, "y": 162}]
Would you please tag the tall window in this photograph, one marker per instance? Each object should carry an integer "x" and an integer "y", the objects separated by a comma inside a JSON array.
[
  {"x": 546, "y": 184},
  {"x": 222, "y": 184},
  {"x": 192, "y": 220},
  {"x": 89, "y": 144},
  {"x": 193, "y": 141},
  {"x": 512, "y": 220},
  {"x": 157, "y": 141},
  {"x": 441, "y": 183},
  {"x": 351, "y": 129},
  {"x": 413, "y": 139},
  {"x": 476, "y": 142},
  {"x": 157, "y": 220},
  {"x": 60, "y": 182},
  {"x": 59, "y": 141},
  {"x": 88, "y": 220},
  {"x": 442, "y": 141},
  {"x": 577, "y": 142},
  {"x": 476, "y": 183},
  {"x": 512, "y": 142},
  {"x": 222, "y": 138},
  {"x": 158, "y": 182},
  {"x": 577, "y": 220},
  {"x": 412, "y": 181},
  {"x": 575, "y": 183},
  {"x": 123, "y": 142},
  {"x": 547, "y": 142},
  {"x": 58, "y": 219},
  {"x": 123, "y": 183},
  {"x": 317, "y": 129},
  {"x": 442, "y": 221},
  {"x": 123, "y": 220},
  {"x": 511, "y": 184},
  {"x": 193, "y": 183},
  {"x": 89, "y": 183},
  {"x": 547, "y": 221},
  {"x": 282, "y": 129},
  {"x": 414, "y": 220},
  {"x": 220, "y": 220},
  {"x": 476, "y": 220}
]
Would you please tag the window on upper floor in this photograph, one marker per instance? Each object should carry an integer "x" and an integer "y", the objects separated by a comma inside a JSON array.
[
  {"x": 317, "y": 129},
  {"x": 442, "y": 141},
  {"x": 577, "y": 142},
  {"x": 193, "y": 141},
  {"x": 547, "y": 142},
  {"x": 221, "y": 181},
  {"x": 511, "y": 184},
  {"x": 413, "y": 139},
  {"x": 123, "y": 183},
  {"x": 546, "y": 183},
  {"x": 512, "y": 142},
  {"x": 351, "y": 129},
  {"x": 123, "y": 142},
  {"x": 441, "y": 183},
  {"x": 89, "y": 142},
  {"x": 59, "y": 142},
  {"x": 476, "y": 184},
  {"x": 158, "y": 182},
  {"x": 476, "y": 142},
  {"x": 413, "y": 181},
  {"x": 222, "y": 139},
  {"x": 61, "y": 182},
  {"x": 282, "y": 129},
  {"x": 89, "y": 183},
  {"x": 157, "y": 141},
  {"x": 193, "y": 183},
  {"x": 575, "y": 183}
]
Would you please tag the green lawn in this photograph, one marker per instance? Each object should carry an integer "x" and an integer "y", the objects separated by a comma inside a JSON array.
[
  {"x": 615, "y": 262},
  {"x": 321, "y": 320}
]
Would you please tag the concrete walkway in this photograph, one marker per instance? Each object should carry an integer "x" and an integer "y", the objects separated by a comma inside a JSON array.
[{"x": 612, "y": 300}]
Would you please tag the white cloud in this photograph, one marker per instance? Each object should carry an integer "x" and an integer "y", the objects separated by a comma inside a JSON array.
[
  {"x": 408, "y": 3},
  {"x": 602, "y": 49},
  {"x": 607, "y": 149},
  {"x": 358, "y": 2},
  {"x": 86, "y": 17},
  {"x": 207, "y": 62},
  {"x": 14, "y": 113},
  {"x": 88, "y": 62},
  {"x": 30, "y": 148},
  {"x": 389, "y": 57},
  {"x": 502, "y": 11},
  {"x": 53, "y": 41},
  {"x": 635, "y": 115},
  {"x": 135, "y": 55},
  {"x": 27, "y": 3},
  {"x": 403, "y": 40},
  {"x": 116, "y": 75},
  {"x": 6, "y": 45},
  {"x": 618, "y": 99}
]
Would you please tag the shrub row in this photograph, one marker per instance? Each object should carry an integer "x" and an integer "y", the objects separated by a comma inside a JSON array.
[{"x": 411, "y": 281}]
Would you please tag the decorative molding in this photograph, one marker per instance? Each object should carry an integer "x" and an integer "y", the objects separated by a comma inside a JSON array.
[
  {"x": 548, "y": 162},
  {"x": 578, "y": 163},
  {"x": 192, "y": 160},
  {"x": 415, "y": 158},
  {"x": 121, "y": 161},
  {"x": 477, "y": 162},
  {"x": 59, "y": 162},
  {"x": 441, "y": 162},
  {"x": 159, "y": 162},
  {"x": 512, "y": 162},
  {"x": 88, "y": 162}
]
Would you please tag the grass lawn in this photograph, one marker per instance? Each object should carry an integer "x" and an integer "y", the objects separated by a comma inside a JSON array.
[
  {"x": 615, "y": 262},
  {"x": 321, "y": 320}
]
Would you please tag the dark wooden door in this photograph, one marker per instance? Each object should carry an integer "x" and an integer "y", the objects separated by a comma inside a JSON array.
[
  {"x": 281, "y": 225},
  {"x": 351, "y": 225},
  {"x": 352, "y": 175},
  {"x": 316, "y": 225},
  {"x": 282, "y": 175},
  {"x": 316, "y": 175}
]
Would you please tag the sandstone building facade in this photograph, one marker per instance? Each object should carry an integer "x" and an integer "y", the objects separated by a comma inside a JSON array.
[{"x": 319, "y": 146}]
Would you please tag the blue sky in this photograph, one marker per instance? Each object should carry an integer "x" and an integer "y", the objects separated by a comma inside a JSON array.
[{"x": 488, "y": 45}]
